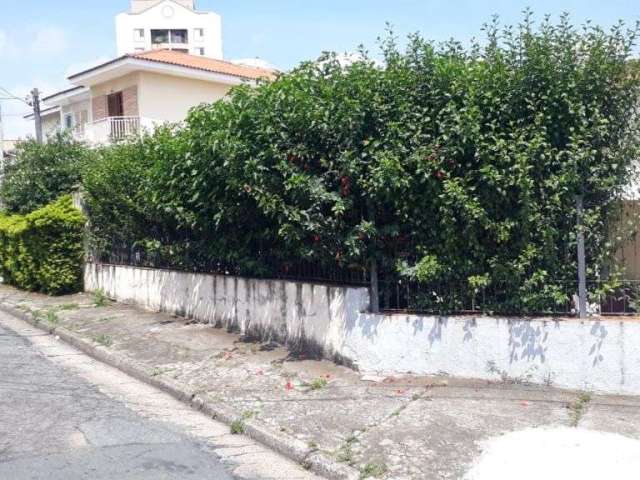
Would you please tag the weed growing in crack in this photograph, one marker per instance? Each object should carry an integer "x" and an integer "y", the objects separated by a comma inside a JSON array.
[
  {"x": 237, "y": 427},
  {"x": 36, "y": 314},
  {"x": 100, "y": 299},
  {"x": 318, "y": 384},
  {"x": 578, "y": 408},
  {"x": 52, "y": 317},
  {"x": 103, "y": 339},
  {"x": 346, "y": 453},
  {"x": 505, "y": 378},
  {"x": 248, "y": 414},
  {"x": 160, "y": 371},
  {"x": 376, "y": 470}
]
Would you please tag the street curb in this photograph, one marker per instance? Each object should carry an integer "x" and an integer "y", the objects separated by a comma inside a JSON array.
[{"x": 288, "y": 446}]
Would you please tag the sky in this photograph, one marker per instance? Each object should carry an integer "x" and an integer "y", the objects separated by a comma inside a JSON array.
[{"x": 43, "y": 41}]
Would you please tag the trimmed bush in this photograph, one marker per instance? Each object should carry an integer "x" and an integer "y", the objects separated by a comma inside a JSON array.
[
  {"x": 43, "y": 251},
  {"x": 42, "y": 172}
]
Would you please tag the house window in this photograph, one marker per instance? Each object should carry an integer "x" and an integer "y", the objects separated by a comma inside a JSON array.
[
  {"x": 68, "y": 120},
  {"x": 200, "y": 51},
  {"x": 159, "y": 36},
  {"x": 138, "y": 34},
  {"x": 179, "y": 36},
  {"x": 198, "y": 33}
]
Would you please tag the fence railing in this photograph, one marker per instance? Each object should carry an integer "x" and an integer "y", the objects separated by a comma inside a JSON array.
[
  {"x": 623, "y": 298},
  {"x": 398, "y": 295},
  {"x": 263, "y": 267}
]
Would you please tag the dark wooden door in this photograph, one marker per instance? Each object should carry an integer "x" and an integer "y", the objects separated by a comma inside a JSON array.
[{"x": 115, "y": 105}]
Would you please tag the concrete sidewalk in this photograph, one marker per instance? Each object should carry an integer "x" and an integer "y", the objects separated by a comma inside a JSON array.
[{"x": 330, "y": 418}]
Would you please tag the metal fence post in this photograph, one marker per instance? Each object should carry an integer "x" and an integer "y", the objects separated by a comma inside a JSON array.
[
  {"x": 582, "y": 268},
  {"x": 375, "y": 288}
]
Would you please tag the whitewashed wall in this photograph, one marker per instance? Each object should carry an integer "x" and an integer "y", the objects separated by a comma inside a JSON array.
[
  {"x": 596, "y": 355},
  {"x": 301, "y": 315}
]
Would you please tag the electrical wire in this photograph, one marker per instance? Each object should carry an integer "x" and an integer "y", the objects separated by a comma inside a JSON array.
[{"x": 12, "y": 96}]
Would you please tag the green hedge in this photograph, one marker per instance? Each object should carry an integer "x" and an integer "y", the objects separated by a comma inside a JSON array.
[
  {"x": 43, "y": 251},
  {"x": 456, "y": 169}
]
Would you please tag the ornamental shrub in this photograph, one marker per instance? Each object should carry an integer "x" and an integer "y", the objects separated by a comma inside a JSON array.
[
  {"x": 40, "y": 173},
  {"x": 43, "y": 251},
  {"x": 454, "y": 168}
]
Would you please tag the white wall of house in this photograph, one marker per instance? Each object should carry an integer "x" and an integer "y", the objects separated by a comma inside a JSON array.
[
  {"x": 79, "y": 112},
  {"x": 50, "y": 123},
  {"x": 204, "y": 29},
  {"x": 601, "y": 355},
  {"x": 169, "y": 98}
]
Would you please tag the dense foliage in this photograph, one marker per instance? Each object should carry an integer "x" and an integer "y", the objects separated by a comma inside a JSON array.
[
  {"x": 43, "y": 251},
  {"x": 40, "y": 173},
  {"x": 454, "y": 168}
]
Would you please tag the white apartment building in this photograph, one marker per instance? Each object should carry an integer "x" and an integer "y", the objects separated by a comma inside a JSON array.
[{"x": 169, "y": 24}]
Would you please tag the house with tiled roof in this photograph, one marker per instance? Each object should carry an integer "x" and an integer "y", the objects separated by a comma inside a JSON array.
[
  {"x": 139, "y": 91},
  {"x": 169, "y": 61}
]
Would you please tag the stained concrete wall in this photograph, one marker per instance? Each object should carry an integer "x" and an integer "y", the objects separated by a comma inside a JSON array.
[
  {"x": 301, "y": 315},
  {"x": 597, "y": 355}
]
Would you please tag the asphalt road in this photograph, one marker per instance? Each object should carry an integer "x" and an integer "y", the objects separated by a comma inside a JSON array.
[{"x": 55, "y": 425}]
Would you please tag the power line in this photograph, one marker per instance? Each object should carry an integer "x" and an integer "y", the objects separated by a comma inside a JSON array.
[{"x": 12, "y": 96}]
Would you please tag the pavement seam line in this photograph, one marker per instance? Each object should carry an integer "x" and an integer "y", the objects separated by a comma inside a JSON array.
[
  {"x": 346, "y": 446},
  {"x": 290, "y": 447}
]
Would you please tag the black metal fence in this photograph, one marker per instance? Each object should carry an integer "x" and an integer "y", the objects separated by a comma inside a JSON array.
[
  {"x": 397, "y": 296},
  {"x": 263, "y": 267}
]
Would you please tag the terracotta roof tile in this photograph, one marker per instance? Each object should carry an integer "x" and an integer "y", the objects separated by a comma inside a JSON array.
[{"x": 181, "y": 59}]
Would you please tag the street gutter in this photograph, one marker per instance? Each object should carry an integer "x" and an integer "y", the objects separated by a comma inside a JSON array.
[{"x": 292, "y": 448}]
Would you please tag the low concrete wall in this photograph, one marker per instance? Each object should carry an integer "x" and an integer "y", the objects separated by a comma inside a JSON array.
[
  {"x": 597, "y": 355},
  {"x": 301, "y": 315}
]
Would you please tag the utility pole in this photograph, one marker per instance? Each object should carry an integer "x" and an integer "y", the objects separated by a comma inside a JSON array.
[
  {"x": 582, "y": 265},
  {"x": 35, "y": 103}
]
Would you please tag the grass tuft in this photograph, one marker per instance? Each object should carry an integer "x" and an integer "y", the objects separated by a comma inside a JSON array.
[
  {"x": 579, "y": 407},
  {"x": 376, "y": 470},
  {"x": 100, "y": 299},
  {"x": 237, "y": 427},
  {"x": 103, "y": 339}
]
